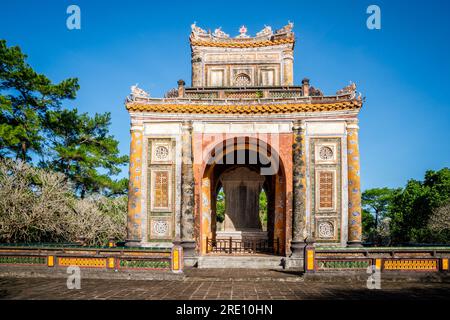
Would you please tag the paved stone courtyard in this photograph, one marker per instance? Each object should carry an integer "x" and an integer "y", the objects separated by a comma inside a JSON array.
[{"x": 219, "y": 284}]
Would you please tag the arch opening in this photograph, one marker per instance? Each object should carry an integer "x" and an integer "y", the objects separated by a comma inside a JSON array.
[{"x": 243, "y": 197}]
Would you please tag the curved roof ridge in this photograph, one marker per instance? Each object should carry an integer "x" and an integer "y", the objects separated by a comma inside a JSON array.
[
  {"x": 265, "y": 37},
  {"x": 275, "y": 108}
]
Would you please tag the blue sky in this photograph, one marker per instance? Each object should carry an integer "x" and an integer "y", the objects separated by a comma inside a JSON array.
[{"x": 403, "y": 69}]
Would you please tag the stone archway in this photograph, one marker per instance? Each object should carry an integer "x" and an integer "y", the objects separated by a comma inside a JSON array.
[{"x": 243, "y": 182}]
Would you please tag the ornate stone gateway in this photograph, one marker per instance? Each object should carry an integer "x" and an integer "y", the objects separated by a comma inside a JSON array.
[{"x": 243, "y": 127}]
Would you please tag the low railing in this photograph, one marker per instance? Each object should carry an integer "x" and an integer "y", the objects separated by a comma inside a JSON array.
[
  {"x": 244, "y": 246},
  {"x": 116, "y": 258},
  {"x": 384, "y": 259}
]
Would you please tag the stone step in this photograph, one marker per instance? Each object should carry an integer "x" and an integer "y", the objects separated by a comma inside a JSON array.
[{"x": 247, "y": 262}]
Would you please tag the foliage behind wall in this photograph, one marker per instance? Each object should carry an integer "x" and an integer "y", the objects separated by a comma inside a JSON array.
[{"x": 417, "y": 213}]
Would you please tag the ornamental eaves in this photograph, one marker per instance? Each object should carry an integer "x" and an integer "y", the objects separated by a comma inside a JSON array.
[{"x": 265, "y": 37}]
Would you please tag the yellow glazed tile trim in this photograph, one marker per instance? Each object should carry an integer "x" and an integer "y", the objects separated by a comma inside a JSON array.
[
  {"x": 410, "y": 264},
  {"x": 445, "y": 264},
  {"x": 245, "y": 109},
  {"x": 378, "y": 264},
  {"x": 50, "y": 261},
  {"x": 111, "y": 263},
  {"x": 243, "y": 44},
  {"x": 82, "y": 262},
  {"x": 176, "y": 260},
  {"x": 310, "y": 259}
]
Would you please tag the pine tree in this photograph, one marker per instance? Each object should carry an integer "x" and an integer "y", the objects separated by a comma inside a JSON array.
[
  {"x": 81, "y": 147},
  {"x": 25, "y": 98}
]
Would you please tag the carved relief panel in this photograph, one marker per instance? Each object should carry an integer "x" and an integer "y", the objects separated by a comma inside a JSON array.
[
  {"x": 325, "y": 153},
  {"x": 161, "y": 192},
  {"x": 161, "y": 151},
  {"x": 160, "y": 228},
  {"x": 161, "y": 186},
  {"x": 326, "y": 189},
  {"x": 327, "y": 228}
]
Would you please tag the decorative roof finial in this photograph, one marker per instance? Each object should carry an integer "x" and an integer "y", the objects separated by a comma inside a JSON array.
[
  {"x": 243, "y": 32},
  {"x": 287, "y": 29},
  {"x": 197, "y": 30},
  {"x": 218, "y": 33},
  {"x": 266, "y": 32},
  {"x": 137, "y": 92},
  {"x": 350, "y": 89}
]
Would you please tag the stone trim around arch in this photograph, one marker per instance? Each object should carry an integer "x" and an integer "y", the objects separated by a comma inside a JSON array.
[{"x": 283, "y": 189}]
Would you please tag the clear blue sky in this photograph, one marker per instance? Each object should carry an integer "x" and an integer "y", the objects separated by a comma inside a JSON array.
[{"x": 402, "y": 69}]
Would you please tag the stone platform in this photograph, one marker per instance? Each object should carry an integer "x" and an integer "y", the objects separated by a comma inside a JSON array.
[
  {"x": 241, "y": 262},
  {"x": 242, "y": 235}
]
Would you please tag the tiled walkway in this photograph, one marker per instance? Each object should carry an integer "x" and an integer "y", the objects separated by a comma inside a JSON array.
[{"x": 218, "y": 284}]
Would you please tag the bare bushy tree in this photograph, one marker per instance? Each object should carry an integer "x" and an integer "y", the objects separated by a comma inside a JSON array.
[
  {"x": 440, "y": 218},
  {"x": 32, "y": 203},
  {"x": 99, "y": 218},
  {"x": 37, "y": 205}
]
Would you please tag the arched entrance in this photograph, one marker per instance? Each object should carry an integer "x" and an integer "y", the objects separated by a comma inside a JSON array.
[{"x": 242, "y": 168}]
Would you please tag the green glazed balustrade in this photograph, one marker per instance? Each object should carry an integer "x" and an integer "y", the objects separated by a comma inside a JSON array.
[
  {"x": 144, "y": 264},
  {"x": 343, "y": 264},
  {"x": 22, "y": 260}
]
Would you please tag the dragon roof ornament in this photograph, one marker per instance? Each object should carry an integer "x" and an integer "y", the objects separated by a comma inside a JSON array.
[
  {"x": 349, "y": 89},
  {"x": 137, "y": 92},
  {"x": 218, "y": 33},
  {"x": 266, "y": 32},
  {"x": 287, "y": 29}
]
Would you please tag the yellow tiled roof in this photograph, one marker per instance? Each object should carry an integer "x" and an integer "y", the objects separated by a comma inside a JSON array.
[
  {"x": 245, "y": 109},
  {"x": 243, "y": 44}
]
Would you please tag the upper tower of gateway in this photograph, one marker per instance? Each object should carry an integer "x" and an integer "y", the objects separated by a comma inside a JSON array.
[
  {"x": 219, "y": 60},
  {"x": 230, "y": 73}
]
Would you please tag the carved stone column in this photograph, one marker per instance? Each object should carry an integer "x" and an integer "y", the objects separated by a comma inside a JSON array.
[
  {"x": 197, "y": 78},
  {"x": 187, "y": 191},
  {"x": 354, "y": 187},
  {"x": 299, "y": 190},
  {"x": 134, "y": 218},
  {"x": 288, "y": 67},
  {"x": 305, "y": 87},
  {"x": 181, "y": 90}
]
